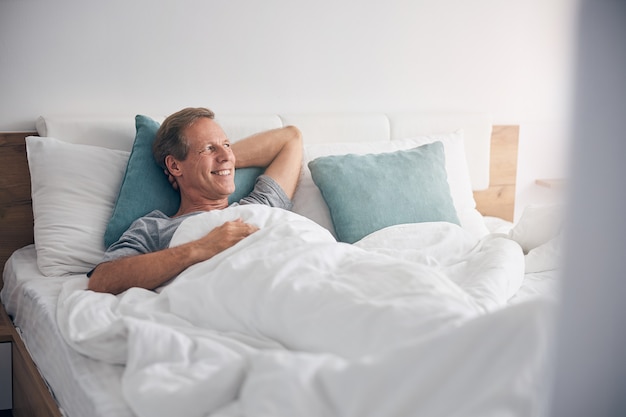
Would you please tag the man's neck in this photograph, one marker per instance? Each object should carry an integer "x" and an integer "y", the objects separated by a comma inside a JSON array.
[{"x": 187, "y": 207}]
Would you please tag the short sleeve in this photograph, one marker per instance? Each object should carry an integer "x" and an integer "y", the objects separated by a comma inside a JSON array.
[{"x": 268, "y": 192}]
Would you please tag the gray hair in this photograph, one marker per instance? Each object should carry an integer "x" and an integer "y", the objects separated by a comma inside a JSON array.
[{"x": 170, "y": 139}]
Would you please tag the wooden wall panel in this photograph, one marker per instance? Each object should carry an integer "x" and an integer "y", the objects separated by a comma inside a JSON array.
[{"x": 499, "y": 199}]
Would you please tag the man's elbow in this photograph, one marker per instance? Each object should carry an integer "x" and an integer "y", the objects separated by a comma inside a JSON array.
[
  {"x": 294, "y": 144},
  {"x": 97, "y": 282},
  {"x": 295, "y": 135},
  {"x": 94, "y": 285}
]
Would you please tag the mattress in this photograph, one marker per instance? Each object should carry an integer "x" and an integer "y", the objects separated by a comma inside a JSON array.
[{"x": 81, "y": 386}]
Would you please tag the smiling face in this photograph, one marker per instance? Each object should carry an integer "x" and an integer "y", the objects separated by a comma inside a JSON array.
[{"x": 208, "y": 171}]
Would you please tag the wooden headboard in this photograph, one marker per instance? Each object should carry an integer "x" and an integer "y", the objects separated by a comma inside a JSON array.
[
  {"x": 16, "y": 213},
  {"x": 16, "y": 216}
]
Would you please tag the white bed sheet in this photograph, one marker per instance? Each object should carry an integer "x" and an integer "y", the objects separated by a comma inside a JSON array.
[{"x": 82, "y": 386}]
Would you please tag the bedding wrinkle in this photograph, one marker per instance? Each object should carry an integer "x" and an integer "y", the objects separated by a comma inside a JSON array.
[
  {"x": 193, "y": 364},
  {"x": 288, "y": 293}
]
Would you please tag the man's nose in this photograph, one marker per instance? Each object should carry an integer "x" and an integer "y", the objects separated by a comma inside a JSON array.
[{"x": 223, "y": 153}]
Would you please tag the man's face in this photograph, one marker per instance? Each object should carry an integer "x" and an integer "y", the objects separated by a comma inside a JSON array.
[{"x": 210, "y": 165}]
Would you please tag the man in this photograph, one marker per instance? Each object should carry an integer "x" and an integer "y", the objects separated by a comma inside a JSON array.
[{"x": 197, "y": 154}]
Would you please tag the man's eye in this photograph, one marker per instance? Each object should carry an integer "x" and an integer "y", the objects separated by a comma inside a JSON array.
[{"x": 213, "y": 148}]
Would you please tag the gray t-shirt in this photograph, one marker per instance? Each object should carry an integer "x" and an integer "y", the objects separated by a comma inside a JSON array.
[{"x": 155, "y": 230}]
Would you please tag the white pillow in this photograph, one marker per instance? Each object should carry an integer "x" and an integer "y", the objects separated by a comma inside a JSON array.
[
  {"x": 308, "y": 200},
  {"x": 74, "y": 188}
]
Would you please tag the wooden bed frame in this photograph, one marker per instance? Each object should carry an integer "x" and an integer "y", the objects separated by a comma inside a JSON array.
[{"x": 31, "y": 396}]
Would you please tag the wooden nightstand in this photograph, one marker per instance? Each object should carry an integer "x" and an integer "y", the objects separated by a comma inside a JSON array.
[
  {"x": 30, "y": 393},
  {"x": 6, "y": 362}
]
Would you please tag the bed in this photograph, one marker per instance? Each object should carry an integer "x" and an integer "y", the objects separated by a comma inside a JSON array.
[{"x": 318, "y": 351}]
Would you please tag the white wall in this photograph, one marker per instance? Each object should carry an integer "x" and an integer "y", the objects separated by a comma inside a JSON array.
[{"x": 507, "y": 57}]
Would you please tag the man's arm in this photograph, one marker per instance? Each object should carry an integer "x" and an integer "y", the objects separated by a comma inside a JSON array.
[
  {"x": 151, "y": 270},
  {"x": 279, "y": 150}
]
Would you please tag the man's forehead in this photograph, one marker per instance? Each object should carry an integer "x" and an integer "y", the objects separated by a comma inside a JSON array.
[{"x": 205, "y": 130}]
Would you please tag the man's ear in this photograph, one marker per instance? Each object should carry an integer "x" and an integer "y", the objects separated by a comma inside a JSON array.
[{"x": 173, "y": 166}]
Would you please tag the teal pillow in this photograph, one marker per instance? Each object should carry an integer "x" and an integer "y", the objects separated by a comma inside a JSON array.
[
  {"x": 145, "y": 187},
  {"x": 366, "y": 193}
]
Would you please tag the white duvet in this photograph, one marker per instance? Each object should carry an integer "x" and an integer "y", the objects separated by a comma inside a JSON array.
[{"x": 412, "y": 320}]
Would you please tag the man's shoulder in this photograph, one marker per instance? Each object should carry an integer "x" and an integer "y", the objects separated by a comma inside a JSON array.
[
  {"x": 154, "y": 229},
  {"x": 153, "y": 219},
  {"x": 157, "y": 214},
  {"x": 152, "y": 216},
  {"x": 267, "y": 192}
]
